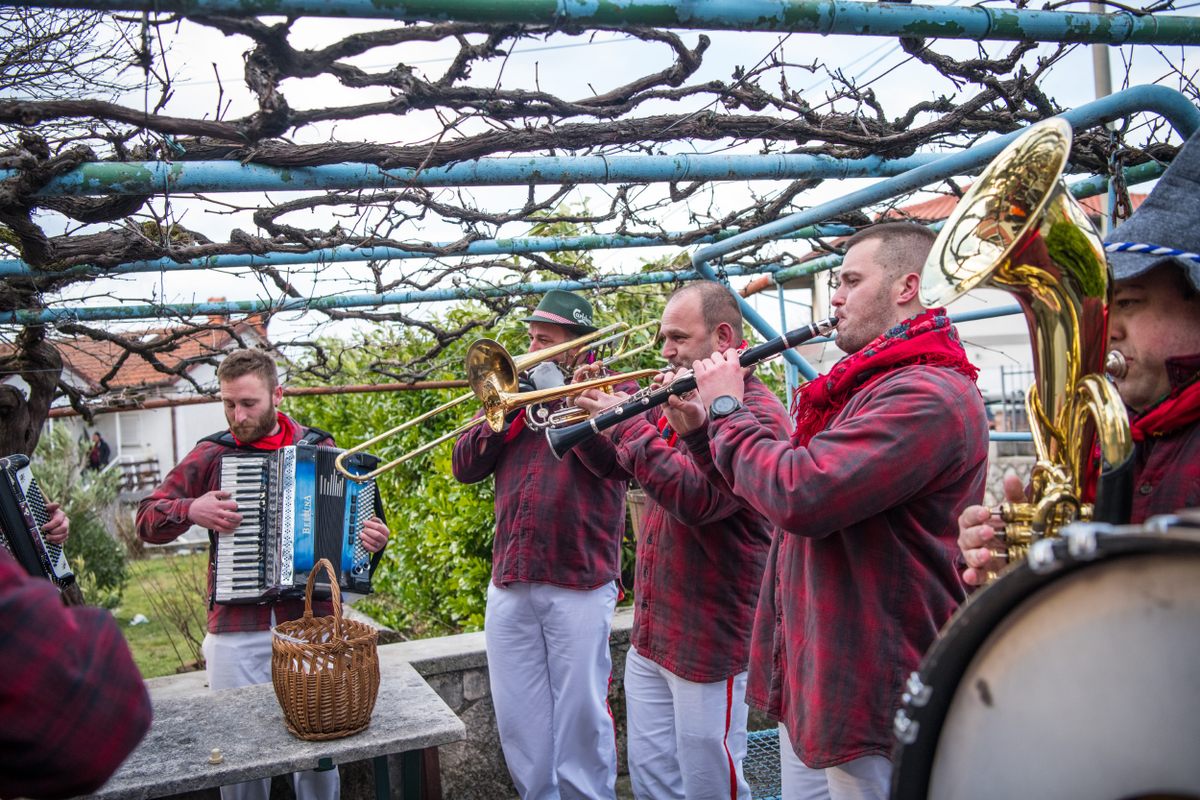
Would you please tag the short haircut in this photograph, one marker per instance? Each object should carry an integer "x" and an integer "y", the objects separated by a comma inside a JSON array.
[
  {"x": 717, "y": 304},
  {"x": 249, "y": 362},
  {"x": 906, "y": 245}
]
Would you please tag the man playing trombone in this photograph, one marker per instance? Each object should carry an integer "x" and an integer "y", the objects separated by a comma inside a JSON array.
[
  {"x": 700, "y": 558},
  {"x": 555, "y": 572}
]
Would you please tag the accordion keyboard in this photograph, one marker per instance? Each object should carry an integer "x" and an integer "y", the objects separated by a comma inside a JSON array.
[{"x": 241, "y": 556}]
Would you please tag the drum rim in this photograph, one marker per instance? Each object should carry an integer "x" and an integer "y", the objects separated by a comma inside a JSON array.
[{"x": 947, "y": 660}]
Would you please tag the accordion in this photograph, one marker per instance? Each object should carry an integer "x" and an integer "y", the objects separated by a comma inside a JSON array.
[
  {"x": 22, "y": 515},
  {"x": 296, "y": 509}
]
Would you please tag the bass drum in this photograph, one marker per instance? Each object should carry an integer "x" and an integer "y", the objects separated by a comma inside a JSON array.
[{"x": 1076, "y": 674}]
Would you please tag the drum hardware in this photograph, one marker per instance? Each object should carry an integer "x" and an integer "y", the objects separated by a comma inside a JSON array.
[{"x": 1070, "y": 676}]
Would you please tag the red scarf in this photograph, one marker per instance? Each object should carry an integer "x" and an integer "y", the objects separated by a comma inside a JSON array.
[
  {"x": 1181, "y": 407},
  {"x": 928, "y": 338},
  {"x": 281, "y": 437}
]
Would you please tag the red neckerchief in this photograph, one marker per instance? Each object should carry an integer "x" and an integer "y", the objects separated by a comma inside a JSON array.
[
  {"x": 281, "y": 438},
  {"x": 666, "y": 431},
  {"x": 928, "y": 338},
  {"x": 514, "y": 430},
  {"x": 1179, "y": 408}
]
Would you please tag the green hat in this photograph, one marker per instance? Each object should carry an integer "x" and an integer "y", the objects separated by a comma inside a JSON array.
[{"x": 560, "y": 307}]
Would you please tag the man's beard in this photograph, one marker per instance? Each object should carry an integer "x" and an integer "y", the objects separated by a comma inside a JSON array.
[{"x": 253, "y": 431}]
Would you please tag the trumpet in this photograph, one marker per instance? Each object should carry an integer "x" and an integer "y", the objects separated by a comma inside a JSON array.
[
  {"x": 539, "y": 416},
  {"x": 492, "y": 376},
  {"x": 563, "y": 439}
]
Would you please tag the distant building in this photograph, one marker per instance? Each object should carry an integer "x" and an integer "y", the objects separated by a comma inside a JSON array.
[{"x": 146, "y": 426}]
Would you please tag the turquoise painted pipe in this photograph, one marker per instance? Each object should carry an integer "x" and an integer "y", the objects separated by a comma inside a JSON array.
[{"x": 826, "y": 17}]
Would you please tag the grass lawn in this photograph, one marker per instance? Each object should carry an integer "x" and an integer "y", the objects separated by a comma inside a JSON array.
[{"x": 169, "y": 591}]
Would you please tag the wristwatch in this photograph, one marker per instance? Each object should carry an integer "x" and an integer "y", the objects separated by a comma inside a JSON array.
[{"x": 723, "y": 406}]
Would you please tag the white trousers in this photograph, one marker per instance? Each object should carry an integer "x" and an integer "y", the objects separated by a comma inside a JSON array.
[
  {"x": 549, "y": 667},
  {"x": 866, "y": 778},
  {"x": 244, "y": 659},
  {"x": 686, "y": 739}
]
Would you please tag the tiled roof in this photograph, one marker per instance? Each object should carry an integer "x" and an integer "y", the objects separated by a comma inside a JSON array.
[
  {"x": 92, "y": 360},
  {"x": 940, "y": 207}
]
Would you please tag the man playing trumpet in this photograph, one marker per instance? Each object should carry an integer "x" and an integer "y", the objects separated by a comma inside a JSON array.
[{"x": 555, "y": 573}]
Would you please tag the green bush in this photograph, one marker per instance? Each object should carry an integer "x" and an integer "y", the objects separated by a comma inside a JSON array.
[{"x": 95, "y": 556}]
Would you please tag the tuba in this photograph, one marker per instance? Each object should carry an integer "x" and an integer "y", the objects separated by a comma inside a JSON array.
[{"x": 1020, "y": 230}]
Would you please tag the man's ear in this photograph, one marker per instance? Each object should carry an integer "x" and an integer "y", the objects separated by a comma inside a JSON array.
[
  {"x": 908, "y": 286},
  {"x": 277, "y": 395},
  {"x": 725, "y": 337}
]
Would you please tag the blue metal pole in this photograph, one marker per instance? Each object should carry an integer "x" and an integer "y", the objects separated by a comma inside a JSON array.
[
  {"x": 1080, "y": 189},
  {"x": 507, "y": 246},
  {"x": 234, "y": 307},
  {"x": 483, "y": 247},
  {"x": 184, "y": 177},
  {"x": 957, "y": 319},
  {"x": 825, "y": 17},
  {"x": 1172, "y": 105}
]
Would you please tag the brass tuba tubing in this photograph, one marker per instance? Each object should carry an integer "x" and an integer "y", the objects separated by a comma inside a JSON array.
[
  {"x": 562, "y": 440},
  {"x": 1018, "y": 229}
]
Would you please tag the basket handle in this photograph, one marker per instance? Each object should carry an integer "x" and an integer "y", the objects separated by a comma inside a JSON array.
[{"x": 334, "y": 592}]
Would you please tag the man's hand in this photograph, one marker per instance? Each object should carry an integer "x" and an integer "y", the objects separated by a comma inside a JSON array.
[
  {"x": 595, "y": 401},
  {"x": 215, "y": 511},
  {"x": 720, "y": 374},
  {"x": 978, "y": 538},
  {"x": 58, "y": 527},
  {"x": 684, "y": 414},
  {"x": 374, "y": 535}
]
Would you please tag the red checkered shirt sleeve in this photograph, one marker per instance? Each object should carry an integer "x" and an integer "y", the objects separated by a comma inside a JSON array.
[
  {"x": 72, "y": 703},
  {"x": 163, "y": 514},
  {"x": 890, "y": 442},
  {"x": 700, "y": 551}
]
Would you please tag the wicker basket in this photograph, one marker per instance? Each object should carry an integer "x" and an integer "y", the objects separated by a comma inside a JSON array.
[{"x": 325, "y": 669}]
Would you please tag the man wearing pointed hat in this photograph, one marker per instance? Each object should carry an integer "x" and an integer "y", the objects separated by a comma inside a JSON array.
[
  {"x": 555, "y": 573},
  {"x": 1154, "y": 323}
]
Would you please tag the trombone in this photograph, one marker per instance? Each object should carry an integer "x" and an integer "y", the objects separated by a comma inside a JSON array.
[
  {"x": 539, "y": 418},
  {"x": 492, "y": 376}
]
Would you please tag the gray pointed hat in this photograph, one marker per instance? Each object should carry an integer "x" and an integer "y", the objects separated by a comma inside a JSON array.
[{"x": 1166, "y": 227}]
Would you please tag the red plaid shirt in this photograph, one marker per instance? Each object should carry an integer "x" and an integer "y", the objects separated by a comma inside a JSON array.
[
  {"x": 72, "y": 702},
  {"x": 700, "y": 552},
  {"x": 556, "y": 522},
  {"x": 861, "y": 572},
  {"x": 1167, "y": 470},
  {"x": 163, "y": 517}
]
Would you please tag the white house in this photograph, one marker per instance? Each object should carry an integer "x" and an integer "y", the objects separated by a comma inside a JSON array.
[{"x": 146, "y": 417}]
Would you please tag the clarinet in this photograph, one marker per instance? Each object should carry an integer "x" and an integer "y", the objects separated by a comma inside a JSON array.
[{"x": 563, "y": 439}]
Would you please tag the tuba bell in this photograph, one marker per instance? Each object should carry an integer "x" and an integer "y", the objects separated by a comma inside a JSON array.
[{"x": 1020, "y": 230}]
